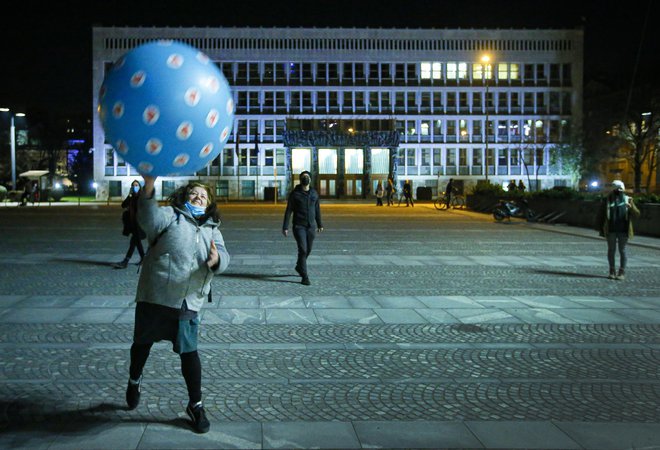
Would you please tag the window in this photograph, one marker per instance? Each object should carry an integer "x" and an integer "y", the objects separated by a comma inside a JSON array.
[
  {"x": 425, "y": 128},
  {"x": 411, "y": 160},
  {"x": 294, "y": 101},
  {"x": 437, "y": 128},
  {"x": 347, "y": 74},
  {"x": 462, "y": 71},
  {"x": 452, "y": 71},
  {"x": 411, "y": 74},
  {"x": 425, "y": 70},
  {"x": 354, "y": 160},
  {"x": 321, "y": 72},
  {"x": 436, "y": 70},
  {"x": 477, "y": 157},
  {"x": 502, "y": 71},
  {"x": 514, "y": 71},
  {"x": 385, "y": 72},
  {"x": 327, "y": 161}
]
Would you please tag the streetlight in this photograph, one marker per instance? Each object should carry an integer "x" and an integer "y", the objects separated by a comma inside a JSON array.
[
  {"x": 485, "y": 59},
  {"x": 12, "y": 137}
]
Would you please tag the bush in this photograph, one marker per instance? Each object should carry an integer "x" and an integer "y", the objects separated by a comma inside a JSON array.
[
  {"x": 647, "y": 198},
  {"x": 487, "y": 189},
  {"x": 558, "y": 192}
]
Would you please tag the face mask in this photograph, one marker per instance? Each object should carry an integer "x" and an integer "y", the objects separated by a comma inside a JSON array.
[
  {"x": 196, "y": 211},
  {"x": 136, "y": 189},
  {"x": 305, "y": 181}
]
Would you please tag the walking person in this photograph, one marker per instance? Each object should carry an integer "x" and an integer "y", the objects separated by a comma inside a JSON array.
[
  {"x": 407, "y": 193},
  {"x": 27, "y": 193},
  {"x": 303, "y": 204},
  {"x": 521, "y": 186},
  {"x": 131, "y": 226},
  {"x": 186, "y": 251},
  {"x": 379, "y": 193},
  {"x": 389, "y": 190},
  {"x": 614, "y": 222},
  {"x": 449, "y": 189}
]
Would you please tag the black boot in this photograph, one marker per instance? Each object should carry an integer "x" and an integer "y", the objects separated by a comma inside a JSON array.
[{"x": 121, "y": 265}]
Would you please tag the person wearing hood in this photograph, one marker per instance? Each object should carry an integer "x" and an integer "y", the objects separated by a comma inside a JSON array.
[
  {"x": 131, "y": 227},
  {"x": 186, "y": 249},
  {"x": 614, "y": 222},
  {"x": 303, "y": 205}
]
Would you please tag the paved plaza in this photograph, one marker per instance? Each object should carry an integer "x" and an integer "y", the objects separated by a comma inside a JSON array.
[{"x": 421, "y": 329}]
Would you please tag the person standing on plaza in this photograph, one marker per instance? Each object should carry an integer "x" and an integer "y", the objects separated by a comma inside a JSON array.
[
  {"x": 407, "y": 193},
  {"x": 389, "y": 190},
  {"x": 186, "y": 251},
  {"x": 131, "y": 226},
  {"x": 614, "y": 222},
  {"x": 512, "y": 186},
  {"x": 449, "y": 189},
  {"x": 303, "y": 204},
  {"x": 379, "y": 193},
  {"x": 27, "y": 193},
  {"x": 521, "y": 186}
]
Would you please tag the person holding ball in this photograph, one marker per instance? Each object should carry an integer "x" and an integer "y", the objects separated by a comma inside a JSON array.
[{"x": 186, "y": 251}]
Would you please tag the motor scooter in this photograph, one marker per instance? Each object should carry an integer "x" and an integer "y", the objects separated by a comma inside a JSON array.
[{"x": 506, "y": 209}]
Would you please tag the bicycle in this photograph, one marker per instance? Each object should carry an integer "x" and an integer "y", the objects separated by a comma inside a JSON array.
[{"x": 456, "y": 201}]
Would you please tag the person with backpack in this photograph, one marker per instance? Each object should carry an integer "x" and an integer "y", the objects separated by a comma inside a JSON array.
[
  {"x": 131, "y": 227},
  {"x": 186, "y": 250}
]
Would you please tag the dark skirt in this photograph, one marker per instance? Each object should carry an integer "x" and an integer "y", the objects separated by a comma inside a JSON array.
[{"x": 154, "y": 323}]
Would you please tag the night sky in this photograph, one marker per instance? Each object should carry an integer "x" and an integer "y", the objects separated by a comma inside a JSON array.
[{"x": 45, "y": 50}]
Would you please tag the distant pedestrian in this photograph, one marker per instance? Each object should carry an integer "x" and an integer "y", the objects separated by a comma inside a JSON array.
[
  {"x": 521, "y": 186},
  {"x": 303, "y": 204},
  {"x": 512, "y": 186},
  {"x": 389, "y": 190},
  {"x": 407, "y": 193},
  {"x": 614, "y": 222},
  {"x": 379, "y": 193},
  {"x": 131, "y": 226},
  {"x": 449, "y": 190},
  {"x": 187, "y": 250},
  {"x": 27, "y": 193}
]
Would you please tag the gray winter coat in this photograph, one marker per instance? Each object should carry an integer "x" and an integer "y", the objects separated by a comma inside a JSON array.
[{"x": 174, "y": 269}]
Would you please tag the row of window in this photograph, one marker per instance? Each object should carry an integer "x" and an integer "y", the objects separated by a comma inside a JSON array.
[
  {"x": 242, "y": 73},
  {"x": 379, "y": 102}
]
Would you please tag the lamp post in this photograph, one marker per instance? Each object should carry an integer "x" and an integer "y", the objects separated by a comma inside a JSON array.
[
  {"x": 12, "y": 140},
  {"x": 486, "y": 59}
]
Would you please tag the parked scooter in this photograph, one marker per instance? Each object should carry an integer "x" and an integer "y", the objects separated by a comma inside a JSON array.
[{"x": 506, "y": 209}]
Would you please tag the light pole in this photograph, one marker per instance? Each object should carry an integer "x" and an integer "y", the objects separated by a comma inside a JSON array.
[
  {"x": 486, "y": 59},
  {"x": 12, "y": 140}
]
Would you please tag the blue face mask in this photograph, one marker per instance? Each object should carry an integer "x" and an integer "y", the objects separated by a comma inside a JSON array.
[
  {"x": 196, "y": 211},
  {"x": 136, "y": 189}
]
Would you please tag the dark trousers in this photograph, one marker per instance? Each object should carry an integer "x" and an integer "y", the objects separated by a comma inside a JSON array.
[
  {"x": 409, "y": 199},
  {"x": 135, "y": 242},
  {"x": 389, "y": 199},
  {"x": 612, "y": 239},
  {"x": 191, "y": 368},
  {"x": 304, "y": 239},
  {"x": 379, "y": 201}
]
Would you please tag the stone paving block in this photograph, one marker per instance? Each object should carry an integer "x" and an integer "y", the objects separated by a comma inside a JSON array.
[
  {"x": 98, "y": 435},
  {"x": 281, "y": 302},
  {"x": 390, "y": 315},
  {"x": 585, "y": 315},
  {"x": 361, "y": 302},
  {"x": 36, "y": 315},
  {"x": 47, "y": 301},
  {"x": 105, "y": 301},
  {"x": 26, "y": 438},
  {"x": 238, "y": 301},
  {"x": 309, "y": 435},
  {"x": 392, "y": 302},
  {"x": 179, "y": 435},
  {"x": 549, "y": 301},
  {"x": 358, "y": 316},
  {"x": 338, "y": 301},
  {"x": 9, "y": 300},
  {"x": 483, "y": 315},
  {"x": 241, "y": 316},
  {"x": 444, "y": 301},
  {"x": 641, "y": 315},
  {"x": 436, "y": 315},
  {"x": 93, "y": 315},
  {"x": 521, "y": 435},
  {"x": 299, "y": 316},
  {"x": 496, "y": 302},
  {"x": 419, "y": 434},
  {"x": 539, "y": 315},
  {"x": 126, "y": 317},
  {"x": 613, "y": 436}
]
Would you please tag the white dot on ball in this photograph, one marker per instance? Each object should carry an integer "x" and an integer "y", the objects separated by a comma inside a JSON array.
[
  {"x": 151, "y": 114},
  {"x": 224, "y": 134},
  {"x": 192, "y": 96},
  {"x": 145, "y": 167},
  {"x": 138, "y": 78},
  {"x": 206, "y": 150},
  {"x": 181, "y": 160},
  {"x": 175, "y": 61},
  {"x": 118, "y": 110},
  {"x": 230, "y": 106},
  {"x": 212, "y": 118},
  {"x": 184, "y": 131},
  {"x": 122, "y": 146},
  {"x": 154, "y": 146}
]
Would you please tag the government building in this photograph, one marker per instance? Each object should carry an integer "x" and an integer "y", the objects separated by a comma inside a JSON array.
[{"x": 356, "y": 106}]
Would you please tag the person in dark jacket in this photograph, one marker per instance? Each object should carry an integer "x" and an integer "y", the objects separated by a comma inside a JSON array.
[
  {"x": 407, "y": 193},
  {"x": 303, "y": 204},
  {"x": 186, "y": 251},
  {"x": 449, "y": 190},
  {"x": 614, "y": 223},
  {"x": 131, "y": 225}
]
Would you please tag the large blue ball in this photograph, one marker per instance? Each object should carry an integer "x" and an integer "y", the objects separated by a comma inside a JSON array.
[{"x": 166, "y": 108}]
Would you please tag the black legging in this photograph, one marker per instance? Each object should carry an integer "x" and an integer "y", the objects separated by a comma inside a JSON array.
[
  {"x": 135, "y": 242},
  {"x": 191, "y": 368}
]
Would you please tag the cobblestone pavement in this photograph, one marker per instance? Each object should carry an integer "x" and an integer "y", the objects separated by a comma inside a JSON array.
[{"x": 421, "y": 329}]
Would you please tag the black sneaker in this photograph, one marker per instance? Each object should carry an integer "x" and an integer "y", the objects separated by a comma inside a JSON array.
[
  {"x": 306, "y": 281},
  {"x": 198, "y": 416},
  {"x": 133, "y": 394}
]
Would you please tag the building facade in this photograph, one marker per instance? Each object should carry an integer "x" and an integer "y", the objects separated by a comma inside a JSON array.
[{"x": 354, "y": 106}]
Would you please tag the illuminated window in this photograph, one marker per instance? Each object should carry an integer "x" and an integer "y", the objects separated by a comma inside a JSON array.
[
  {"x": 353, "y": 160},
  {"x": 502, "y": 71},
  {"x": 424, "y": 128},
  {"x": 462, "y": 71},
  {"x": 437, "y": 70},
  {"x": 425, "y": 70},
  {"x": 477, "y": 71},
  {"x": 514, "y": 71},
  {"x": 452, "y": 71}
]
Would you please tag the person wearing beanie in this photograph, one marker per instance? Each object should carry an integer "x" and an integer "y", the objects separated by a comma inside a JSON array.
[
  {"x": 614, "y": 222},
  {"x": 303, "y": 204}
]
